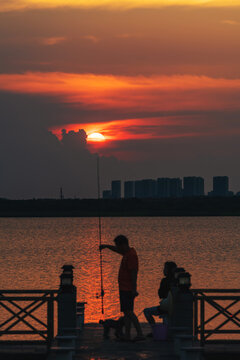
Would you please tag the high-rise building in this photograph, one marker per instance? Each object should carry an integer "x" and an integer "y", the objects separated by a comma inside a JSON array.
[
  {"x": 138, "y": 189},
  {"x": 149, "y": 188},
  {"x": 193, "y": 186},
  {"x": 129, "y": 189},
  {"x": 220, "y": 186},
  {"x": 175, "y": 187},
  {"x": 145, "y": 189},
  {"x": 163, "y": 188},
  {"x": 107, "y": 194},
  {"x": 116, "y": 189}
]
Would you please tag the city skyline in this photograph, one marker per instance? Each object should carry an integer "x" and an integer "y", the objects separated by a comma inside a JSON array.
[{"x": 189, "y": 186}]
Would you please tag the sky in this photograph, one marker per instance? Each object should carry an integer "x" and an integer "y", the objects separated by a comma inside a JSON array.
[{"x": 160, "y": 79}]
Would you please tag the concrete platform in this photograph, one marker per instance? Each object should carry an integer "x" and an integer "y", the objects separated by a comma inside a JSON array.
[
  {"x": 93, "y": 347},
  {"x": 222, "y": 352},
  {"x": 23, "y": 352}
]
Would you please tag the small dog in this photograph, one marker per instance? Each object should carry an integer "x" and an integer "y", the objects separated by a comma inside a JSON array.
[{"x": 113, "y": 324}]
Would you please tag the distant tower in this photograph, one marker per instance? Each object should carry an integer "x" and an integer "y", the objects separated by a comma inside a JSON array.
[
  {"x": 220, "y": 186},
  {"x": 163, "y": 187},
  {"x": 129, "y": 189},
  {"x": 175, "y": 187},
  {"x": 61, "y": 194},
  {"x": 138, "y": 189},
  {"x": 116, "y": 189},
  {"x": 149, "y": 188},
  {"x": 193, "y": 186}
]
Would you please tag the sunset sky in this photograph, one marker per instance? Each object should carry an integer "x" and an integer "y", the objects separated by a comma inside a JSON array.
[{"x": 160, "y": 79}]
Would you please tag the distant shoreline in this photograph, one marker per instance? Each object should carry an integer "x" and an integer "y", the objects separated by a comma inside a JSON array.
[
  {"x": 69, "y": 215},
  {"x": 179, "y": 207}
]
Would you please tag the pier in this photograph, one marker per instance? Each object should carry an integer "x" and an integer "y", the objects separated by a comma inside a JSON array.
[
  {"x": 112, "y": 349},
  {"x": 60, "y": 333}
]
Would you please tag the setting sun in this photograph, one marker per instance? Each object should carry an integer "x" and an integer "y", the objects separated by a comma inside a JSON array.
[{"x": 95, "y": 137}]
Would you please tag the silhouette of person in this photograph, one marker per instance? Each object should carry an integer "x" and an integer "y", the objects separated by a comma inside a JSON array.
[
  {"x": 165, "y": 285},
  {"x": 127, "y": 280}
]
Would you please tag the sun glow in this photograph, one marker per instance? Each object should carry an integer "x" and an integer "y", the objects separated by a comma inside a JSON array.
[{"x": 95, "y": 137}]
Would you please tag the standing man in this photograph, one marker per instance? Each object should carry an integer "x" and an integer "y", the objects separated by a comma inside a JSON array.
[{"x": 127, "y": 280}]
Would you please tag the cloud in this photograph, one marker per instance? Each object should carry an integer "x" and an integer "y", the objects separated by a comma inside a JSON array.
[
  {"x": 230, "y": 22},
  {"x": 165, "y": 95},
  {"x": 49, "y": 41},
  {"x": 139, "y": 129},
  {"x": 91, "y": 38},
  {"x": 155, "y": 93},
  {"x": 9, "y": 5},
  {"x": 35, "y": 163},
  {"x": 135, "y": 108},
  {"x": 137, "y": 42}
]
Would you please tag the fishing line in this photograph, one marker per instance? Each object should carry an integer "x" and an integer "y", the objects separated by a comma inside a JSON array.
[
  {"x": 100, "y": 232},
  {"x": 140, "y": 313}
]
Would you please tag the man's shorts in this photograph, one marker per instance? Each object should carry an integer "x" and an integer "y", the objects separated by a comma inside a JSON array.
[{"x": 126, "y": 300}]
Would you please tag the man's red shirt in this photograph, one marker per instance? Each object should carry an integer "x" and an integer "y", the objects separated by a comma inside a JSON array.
[{"x": 128, "y": 264}]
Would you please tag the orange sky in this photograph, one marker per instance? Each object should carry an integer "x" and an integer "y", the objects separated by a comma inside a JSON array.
[
  {"x": 165, "y": 41},
  {"x": 108, "y": 91},
  {"x": 134, "y": 67},
  {"x": 123, "y": 129},
  {"x": 122, "y": 4},
  {"x": 144, "y": 94},
  {"x": 154, "y": 76}
]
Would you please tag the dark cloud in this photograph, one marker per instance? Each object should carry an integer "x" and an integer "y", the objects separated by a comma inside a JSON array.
[
  {"x": 142, "y": 41},
  {"x": 34, "y": 163}
]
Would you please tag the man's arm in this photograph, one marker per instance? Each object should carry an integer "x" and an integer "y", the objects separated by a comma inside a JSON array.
[{"x": 110, "y": 247}]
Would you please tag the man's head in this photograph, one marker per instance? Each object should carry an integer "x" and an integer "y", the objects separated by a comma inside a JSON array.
[
  {"x": 121, "y": 243},
  {"x": 169, "y": 268}
]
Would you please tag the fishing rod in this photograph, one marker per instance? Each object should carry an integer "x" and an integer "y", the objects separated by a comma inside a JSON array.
[{"x": 100, "y": 232}]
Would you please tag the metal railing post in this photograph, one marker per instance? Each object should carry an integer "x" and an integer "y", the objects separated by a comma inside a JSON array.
[
  {"x": 202, "y": 314},
  {"x": 195, "y": 304},
  {"x": 50, "y": 320}
]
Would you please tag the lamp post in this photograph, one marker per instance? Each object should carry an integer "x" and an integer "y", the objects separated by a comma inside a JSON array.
[
  {"x": 177, "y": 272},
  {"x": 66, "y": 302},
  {"x": 66, "y": 278},
  {"x": 184, "y": 281},
  {"x": 181, "y": 318}
]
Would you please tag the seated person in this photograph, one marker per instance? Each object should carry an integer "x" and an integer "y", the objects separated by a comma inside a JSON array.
[{"x": 165, "y": 285}]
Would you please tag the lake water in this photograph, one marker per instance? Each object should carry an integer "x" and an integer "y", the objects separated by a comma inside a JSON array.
[{"x": 34, "y": 249}]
